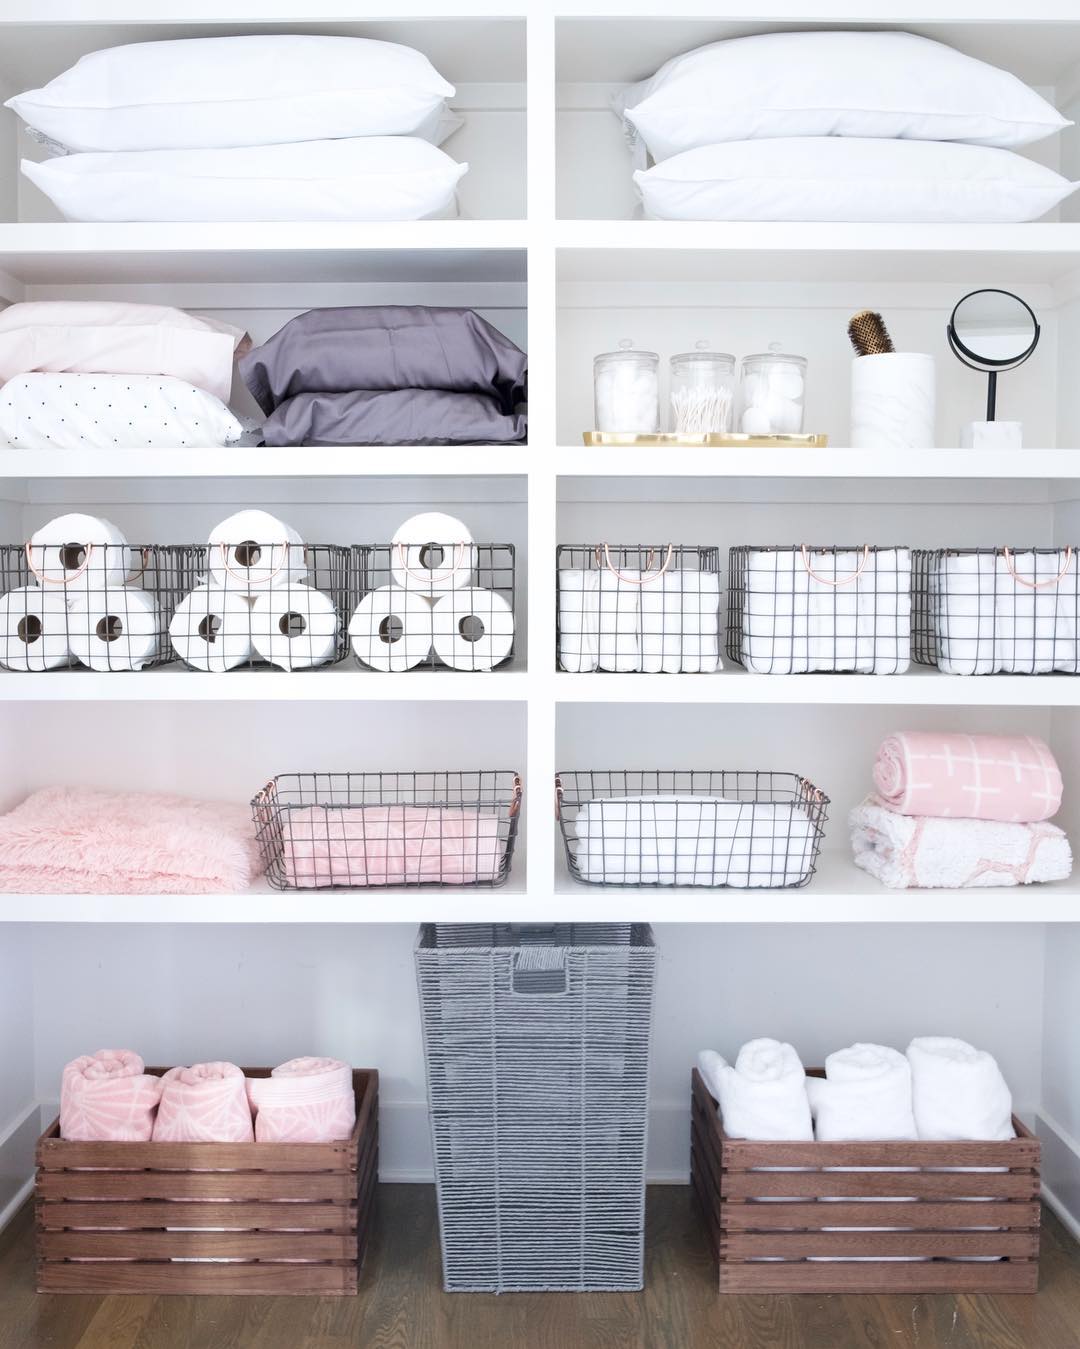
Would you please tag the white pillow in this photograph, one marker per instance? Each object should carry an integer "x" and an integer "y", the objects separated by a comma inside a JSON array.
[
  {"x": 214, "y": 92},
  {"x": 837, "y": 178},
  {"x": 832, "y": 84},
  {"x": 369, "y": 178},
  {"x": 126, "y": 412}
]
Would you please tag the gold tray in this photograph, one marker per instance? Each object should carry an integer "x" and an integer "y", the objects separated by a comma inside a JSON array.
[{"x": 711, "y": 440}]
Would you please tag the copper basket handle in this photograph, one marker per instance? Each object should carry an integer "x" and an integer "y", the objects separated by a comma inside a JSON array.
[
  {"x": 246, "y": 580},
  {"x": 515, "y": 804},
  {"x": 1037, "y": 585},
  {"x": 430, "y": 578},
  {"x": 847, "y": 580},
  {"x": 640, "y": 580}
]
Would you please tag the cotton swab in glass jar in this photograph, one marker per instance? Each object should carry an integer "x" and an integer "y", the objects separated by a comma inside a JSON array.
[{"x": 701, "y": 411}]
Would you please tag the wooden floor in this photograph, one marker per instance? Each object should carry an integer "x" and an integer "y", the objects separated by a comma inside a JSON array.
[{"x": 401, "y": 1305}]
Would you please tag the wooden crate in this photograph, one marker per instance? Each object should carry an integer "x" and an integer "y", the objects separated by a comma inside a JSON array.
[
  {"x": 769, "y": 1247},
  {"x": 126, "y": 1217}
]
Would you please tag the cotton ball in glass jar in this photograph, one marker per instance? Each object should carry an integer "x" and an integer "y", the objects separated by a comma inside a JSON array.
[
  {"x": 786, "y": 380},
  {"x": 755, "y": 390},
  {"x": 755, "y": 422},
  {"x": 785, "y": 415}
]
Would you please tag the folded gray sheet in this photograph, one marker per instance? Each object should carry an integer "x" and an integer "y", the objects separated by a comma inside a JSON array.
[{"x": 392, "y": 417}]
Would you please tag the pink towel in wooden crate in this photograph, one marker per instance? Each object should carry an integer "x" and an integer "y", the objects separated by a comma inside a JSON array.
[
  {"x": 390, "y": 845},
  {"x": 308, "y": 1100},
  {"x": 206, "y": 1103},
  {"x": 106, "y": 1097},
  {"x": 78, "y": 840},
  {"x": 1013, "y": 778}
]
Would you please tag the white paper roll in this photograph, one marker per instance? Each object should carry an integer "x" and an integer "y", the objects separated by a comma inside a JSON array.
[
  {"x": 34, "y": 629},
  {"x": 211, "y": 629},
  {"x": 117, "y": 629},
  {"x": 391, "y": 629},
  {"x": 81, "y": 552},
  {"x": 295, "y": 627},
  {"x": 412, "y": 564},
  {"x": 473, "y": 629},
  {"x": 253, "y": 551}
]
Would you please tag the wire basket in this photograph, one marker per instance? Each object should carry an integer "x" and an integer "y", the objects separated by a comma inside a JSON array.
[
  {"x": 438, "y": 606},
  {"x": 262, "y": 605},
  {"x": 990, "y": 610},
  {"x": 103, "y": 606},
  {"x": 631, "y": 607},
  {"x": 536, "y": 1045},
  {"x": 793, "y": 610},
  {"x": 739, "y": 829},
  {"x": 323, "y": 831}
]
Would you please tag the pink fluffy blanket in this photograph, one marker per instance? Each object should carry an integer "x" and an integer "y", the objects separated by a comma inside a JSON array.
[{"x": 76, "y": 840}]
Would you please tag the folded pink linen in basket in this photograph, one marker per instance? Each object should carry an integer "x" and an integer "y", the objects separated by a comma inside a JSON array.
[
  {"x": 307, "y": 1100},
  {"x": 389, "y": 845},
  {"x": 77, "y": 840},
  {"x": 1013, "y": 778},
  {"x": 206, "y": 1103},
  {"x": 106, "y": 1097}
]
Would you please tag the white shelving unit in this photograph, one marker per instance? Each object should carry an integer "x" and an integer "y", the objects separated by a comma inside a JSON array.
[{"x": 262, "y": 975}]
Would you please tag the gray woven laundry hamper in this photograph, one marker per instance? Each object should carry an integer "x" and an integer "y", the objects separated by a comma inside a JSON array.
[{"x": 536, "y": 1041}]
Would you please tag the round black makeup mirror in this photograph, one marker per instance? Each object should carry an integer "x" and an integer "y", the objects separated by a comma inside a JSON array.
[{"x": 992, "y": 331}]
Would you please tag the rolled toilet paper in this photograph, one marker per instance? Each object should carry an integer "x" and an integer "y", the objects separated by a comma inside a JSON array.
[
  {"x": 253, "y": 551},
  {"x": 472, "y": 629},
  {"x": 81, "y": 552},
  {"x": 391, "y": 629},
  {"x": 893, "y": 401},
  {"x": 34, "y": 629},
  {"x": 294, "y": 627},
  {"x": 114, "y": 629},
  {"x": 415, "y": 566},
  {"x": 211, "y": 629}
]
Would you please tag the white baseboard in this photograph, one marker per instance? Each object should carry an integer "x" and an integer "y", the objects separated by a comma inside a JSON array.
[
  {"x": 17, "y": 1142},
  {"x": 1060, "y": 1170}
]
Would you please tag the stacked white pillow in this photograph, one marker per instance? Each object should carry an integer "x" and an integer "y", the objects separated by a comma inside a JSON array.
[
  {"x": 262, "y": 127},
  {"x": 839, "y": 126}
]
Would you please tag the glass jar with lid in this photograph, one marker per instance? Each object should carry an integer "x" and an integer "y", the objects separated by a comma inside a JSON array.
[
  {"x": 772, "y": 391},
  {"x": 702, "y": 391},
  {"x": 626, "y": 390}
]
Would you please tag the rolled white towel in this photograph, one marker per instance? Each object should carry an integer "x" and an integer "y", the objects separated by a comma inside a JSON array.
[
  {"x": 958, "y": 1092},
  {"x": 763, "y": 1096},
  {"x": 864, "y": 1096}
]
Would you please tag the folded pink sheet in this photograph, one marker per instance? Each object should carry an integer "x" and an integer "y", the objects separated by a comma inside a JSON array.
[
  {"x": 307, "y": 1100},
  {"x": 206, "y": 1103},
  {"x": 106, "y": 1097},
  {"x": 390, "y": 845},
  {"x": 1012, "y": 778},
  {"x": 77, "y": 840}
]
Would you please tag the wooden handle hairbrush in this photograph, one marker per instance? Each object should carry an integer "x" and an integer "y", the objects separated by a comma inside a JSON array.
[{"x": 868, "y": 334}]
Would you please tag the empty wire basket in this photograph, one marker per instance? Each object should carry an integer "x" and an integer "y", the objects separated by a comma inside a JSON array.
[
  {"x": 258, "y": 604},
  {"x": 739, "y": 829},
  {"x": 985, "y": 610},
  {"x": 536, "y": 1043},
  {"x": 103, "y": 606},
  {"x": 798, "y": 609},
  {"x": 322, "y": 831},
  {"x": 432, "y": 605},
  {"x": 629, "y": 607}
]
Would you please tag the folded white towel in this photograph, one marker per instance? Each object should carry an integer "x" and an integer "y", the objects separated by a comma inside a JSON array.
[
  {"x": 958, "y": 1091},
  {"x": 579, "y": 620},
  {"x": 692, "y": 840},
  {"x": 764, "y": 1096},
  {"x": 865, "y": 1095},
  {"x": 620, "y": 640},
  {"x": 907, "y": 852},
  {"x": 680, "y": 624}
]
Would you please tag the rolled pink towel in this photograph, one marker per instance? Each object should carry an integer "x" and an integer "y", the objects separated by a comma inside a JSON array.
[
  {"x": 206, "y": 1103},
  {"x": 1012, "y": 778},
  {"x": 308, "y": 1100},
  {"x": 106, "y": 1097}
]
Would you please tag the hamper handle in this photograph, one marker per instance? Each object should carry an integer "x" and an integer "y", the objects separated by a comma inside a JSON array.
[
  {"x": 558, "y": 797},
  {"x": 641, "y": 580},
  {"x": 847, "y": 580},
  {"x": 538, "y": 967},
  {"x": 1037, "y": 585},
  {"x": 430, "y": 577},
  {"x": 515, "y": 804},
  {"x": 58, "y": 580},
  {"x": 265, "y": 794},
  {"x": 239, "y": 576}
]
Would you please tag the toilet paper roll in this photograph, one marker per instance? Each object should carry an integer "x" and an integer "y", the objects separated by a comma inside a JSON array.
[
  {"x": 472, "y": 629},
  {"x": 413, "y": 564},
  {"x": 117, "y": 629},
  {"x": 295, "y": 627},
  {"x": 81, "y": 552},
  {"x": 34, "y": 629},
  {"x": 253, "y": 551},
  {"x": 391, "y": 629},
  {"x": 211, "y": 629}
]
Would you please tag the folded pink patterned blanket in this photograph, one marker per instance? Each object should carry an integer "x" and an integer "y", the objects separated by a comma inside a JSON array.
[
  {"x": 390, "y": 845},
  {"x": 106, "y": 1097},
  {"x": 307, "y": 1100},
  {"x": 77, "y": 840},
  {"x": 206, "y": 1103},
  {"x": 1013, "y": 778}
]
